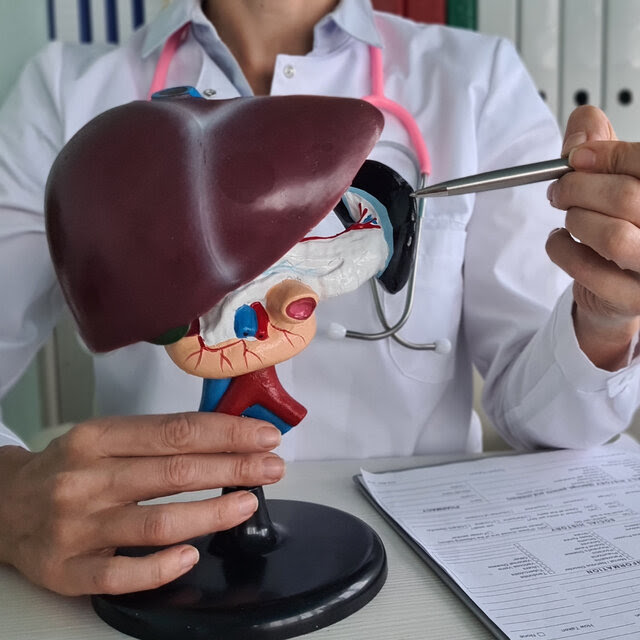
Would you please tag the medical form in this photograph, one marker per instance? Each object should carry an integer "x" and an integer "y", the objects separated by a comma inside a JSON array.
[{"x": 542, "y": 545}]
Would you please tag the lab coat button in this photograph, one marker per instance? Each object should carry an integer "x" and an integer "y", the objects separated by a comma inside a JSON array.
[{"x": 289, "y": 71}]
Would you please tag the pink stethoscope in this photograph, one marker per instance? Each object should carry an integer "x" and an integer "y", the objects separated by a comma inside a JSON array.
[{"x": 379, "y": 100}]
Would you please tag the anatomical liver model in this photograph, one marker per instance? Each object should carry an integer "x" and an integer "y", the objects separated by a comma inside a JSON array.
[{"x": 185, "y": 222}]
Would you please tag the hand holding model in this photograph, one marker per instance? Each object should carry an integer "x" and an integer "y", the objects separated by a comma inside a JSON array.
[
  {"x": 150, "y": 265},
  {"x": 69, "y": 507}
]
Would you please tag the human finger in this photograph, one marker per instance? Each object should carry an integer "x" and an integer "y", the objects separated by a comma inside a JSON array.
[
  {"x": 586, "y": 123},
  {"x": 170, "y": 523},
  {"x": 615, "y": 239},
  {"x": 611, "y": 157},
  {"x": 114, "y": 574},
  {"x": 614, "y": 195},
  {"x": 158, "y": 435},
  {"x": 617, "y": 289},
  {"x": 145, "y": 478}
]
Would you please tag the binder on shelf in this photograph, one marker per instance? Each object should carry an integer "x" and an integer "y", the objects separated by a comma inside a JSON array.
[
  {"x": 462, "y": 13},
  {"x": 622, "y": 73},
  {"x": 125, "y": 19},
  {"x": 390, "y": 6},
  {"x": 434, "y": 11},
  {"x": 498, "y": 18},
  {"x": 581, "y": 55},
  {"x": 539, "y": 45},
  {"x": 66, "y": 21},
  {"x": 99, "y": 20}
]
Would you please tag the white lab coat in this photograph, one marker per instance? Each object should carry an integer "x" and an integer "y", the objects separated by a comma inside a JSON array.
[{"x": 485, "y": 282}]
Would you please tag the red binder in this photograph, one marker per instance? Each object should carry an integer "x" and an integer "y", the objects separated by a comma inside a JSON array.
[
  {"x": 427, "y": 10},
  {"x": 418, "y": 10},
  {"x": 391, "y": 6}
]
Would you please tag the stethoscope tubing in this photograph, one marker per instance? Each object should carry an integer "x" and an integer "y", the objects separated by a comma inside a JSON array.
[
  {"x": 440, "y": 346},
  {"x": 390, "y": 330}
]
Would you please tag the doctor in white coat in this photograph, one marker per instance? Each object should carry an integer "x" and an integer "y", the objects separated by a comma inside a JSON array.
[{"x": 557, "y": 346}]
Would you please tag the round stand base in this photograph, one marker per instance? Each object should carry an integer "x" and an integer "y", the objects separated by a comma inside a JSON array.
[{"x": 327, "y": 565}]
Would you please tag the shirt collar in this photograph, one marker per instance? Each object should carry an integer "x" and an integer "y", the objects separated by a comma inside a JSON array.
[
  {"x": 354, "y": 17},
  {"x": 175, "y": 15}
]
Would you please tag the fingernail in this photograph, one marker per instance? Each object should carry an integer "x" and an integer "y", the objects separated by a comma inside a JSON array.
[
  {"x": 573, "y": 141},
  {"x": 269, "y": 437},
  {"x": 247, "y": 503},
  {"x": 550, "y": 191},
  {"x": 582, "y": 159},
  {"x": 273, "y": 467},
  {"x": 188, "y": 557}
]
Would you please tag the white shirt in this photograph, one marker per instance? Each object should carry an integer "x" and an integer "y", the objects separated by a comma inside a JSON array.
[{"x": 485, "y": 282}]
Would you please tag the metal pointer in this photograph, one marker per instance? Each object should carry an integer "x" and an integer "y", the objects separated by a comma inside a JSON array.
[{"x": 501, "y": 179}]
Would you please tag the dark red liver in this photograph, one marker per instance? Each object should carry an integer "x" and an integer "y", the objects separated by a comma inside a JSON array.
[{"x": 156, "y": 210}]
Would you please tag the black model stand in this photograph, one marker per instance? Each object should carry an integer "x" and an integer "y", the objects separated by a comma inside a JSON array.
[{"x": 292, "y": 568}]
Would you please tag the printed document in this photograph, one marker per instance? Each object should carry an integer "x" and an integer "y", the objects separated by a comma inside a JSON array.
[{"x": 545, "y": 545}]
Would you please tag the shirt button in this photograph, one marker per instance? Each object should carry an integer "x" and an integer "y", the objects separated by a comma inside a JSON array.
[
  {"x": 289, "y": 71},
  {"x": 209, "y": 92}
]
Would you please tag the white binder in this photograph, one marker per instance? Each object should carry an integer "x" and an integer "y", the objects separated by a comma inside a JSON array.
[
  {"x": 125, "y": 20},
  {"x": 581, "y": 55},
  {"x": 622, "y": 73},
  {"x": 98, "y": 21},
  {"x": 539, "y": 46},
  {"x": 67, "y": 20},
  {"x": 499, "y": 18}
]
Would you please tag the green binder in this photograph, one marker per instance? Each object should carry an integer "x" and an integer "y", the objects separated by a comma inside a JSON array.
[{"x": 462, "y": 13}]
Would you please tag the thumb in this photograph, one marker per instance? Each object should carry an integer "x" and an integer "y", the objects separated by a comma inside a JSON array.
[
  {"x": 613, "y": 157},
  {"x": 586, "y": 124}
]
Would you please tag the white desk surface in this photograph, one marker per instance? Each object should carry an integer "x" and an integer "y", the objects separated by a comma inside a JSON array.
[{"x": 412, "y": 605}]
